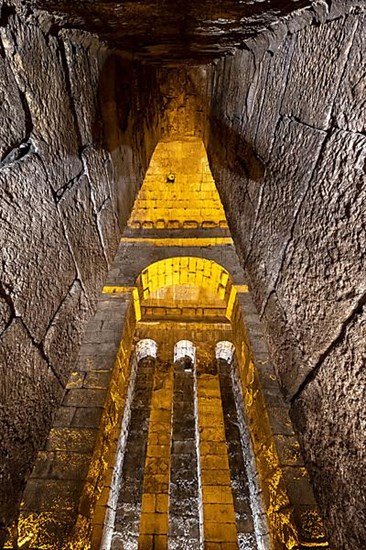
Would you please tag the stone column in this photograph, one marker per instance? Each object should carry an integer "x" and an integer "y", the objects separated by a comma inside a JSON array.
[
  {"x": 128, "y": 510},
  {"x": 184, "y": 497}
]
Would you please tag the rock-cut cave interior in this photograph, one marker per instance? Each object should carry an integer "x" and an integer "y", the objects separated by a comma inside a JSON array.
[{"x": 183, "y": 275}]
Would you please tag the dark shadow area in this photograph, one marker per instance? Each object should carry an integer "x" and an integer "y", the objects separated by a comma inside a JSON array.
[{"x": 173, "y": 32}]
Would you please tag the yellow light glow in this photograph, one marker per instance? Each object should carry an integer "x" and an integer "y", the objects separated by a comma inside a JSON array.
[
  {"x": 218, "y": 505},
  {"x": 155, "y": 498},
  {"x": 242, "y": 289},
  {"x": 181, "y": 241},
  {"x": 87, "y": 532},
  {"x": 117, "y": 289},
  {"x": 185, "y": 271},
  {"x": 191, "y": 201}
]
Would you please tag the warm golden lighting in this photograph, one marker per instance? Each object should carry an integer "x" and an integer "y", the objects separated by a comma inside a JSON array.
[
  {"x": 188, "y": 271},
  {"x": 155, "y": 498},
  {"x": 175, "y": 299},
  {"x": 188, "y": 200},
  {"x": 180, "y": 241},
  {"x": 218, "y": 507}
]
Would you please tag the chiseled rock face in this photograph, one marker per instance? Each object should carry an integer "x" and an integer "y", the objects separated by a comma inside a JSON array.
[
  {"x": 63, "y": 336},
  {"x": 5, "y": 313},
  {"x": 65, "y": 193},
  {"x": 12, "y": 116},
  {"x": 29, "y": 273},
  {"x": 334, "y": 435},
  {"x": 287, "y": 148},
  {"x": 36, "y": 62},
  {"x": 29, "y": 392}
]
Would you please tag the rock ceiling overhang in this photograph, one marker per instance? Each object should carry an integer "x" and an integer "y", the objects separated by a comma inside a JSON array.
[{"x": 163, "y": 30}]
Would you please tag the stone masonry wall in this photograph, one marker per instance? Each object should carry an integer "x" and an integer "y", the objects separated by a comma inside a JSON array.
[
  {"x": 71, "y": 162},
  {"x": 287, "y": 149}
]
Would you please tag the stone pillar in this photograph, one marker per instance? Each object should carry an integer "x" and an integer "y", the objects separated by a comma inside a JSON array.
[
  {"x": 219, "y": 525},
  {"x": 155, "y": 506},
  {"x": 129, "y": 485},
  {"x": 184, "y": 529},
  {"x": 237, "y": 460}
]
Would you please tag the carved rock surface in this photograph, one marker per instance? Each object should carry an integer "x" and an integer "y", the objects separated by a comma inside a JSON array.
[
  {"x": 284, "y": 122},
  {"x": 63, "y": 181},
  {"x": 5, "y": 314},
  {"x": 30, "y": 228},
  {"x": 293, "y": 103},
  {"x": 64, "y": 334},
  {"x": 172, "y": 31},
  {"x": 31, "y": 391},
  {"x": 78, "y": 216},
  {"x": 335, "y": 437},
  {"x": 12, "y": 117},
  {"x": 41, "y": 71}
]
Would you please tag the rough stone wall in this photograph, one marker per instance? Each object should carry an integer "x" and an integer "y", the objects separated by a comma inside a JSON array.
[
  {"x": 287, "y": 149},
  {"x": 72, "y": 160}
]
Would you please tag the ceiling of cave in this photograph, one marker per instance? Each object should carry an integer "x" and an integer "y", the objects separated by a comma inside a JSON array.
[{"x": 167, "y": 30}]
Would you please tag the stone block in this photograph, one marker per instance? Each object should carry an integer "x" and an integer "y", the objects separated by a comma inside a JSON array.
[
  {"x": 37, "y": 288},
  {"x": 54, "y": 135},
  {"x": 154, "y": 524},
  {"x": 276, "y": 68},
  {"x": 52, "y": 496},
  {"x": 220, "y": 478},
  {"x": 280, "y": 421},
  {"x": 12, "y": 116},
  {"x": 220, "y": 513},
  {"x": 94, "y": 362},
  {"x": 331, "y": 433},
  {"x": 68, "y": 466},
  {"x": 63, "y": 338},
  {"x": 294, "y": 156},
  {"x": 87, "y": 417},
  {"x": 5, "y": 314},
  {"x": 298, "y": 487},
  {"x": 84, "y": 397},
  {"x": 322, "y": 76},
  {"x": 63, "y": 417},
  {"x": 349, "y": 111},
  {"x": 30, "y": 392},
  {"x": 288, "y": 450},
  {"x": 214, "y": 462},
  {"x": 323, "y": 276},
  {"x": 80, "y": 440},
  {"x": 220, "y": 532},
  {"x": 78, "y": 216},
  {"x": 97, "y": 380}
]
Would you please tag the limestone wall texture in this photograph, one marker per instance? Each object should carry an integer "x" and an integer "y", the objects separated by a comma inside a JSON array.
[
  {"x": 72, "y": 160},
  {"x": 287, "y": 148}
]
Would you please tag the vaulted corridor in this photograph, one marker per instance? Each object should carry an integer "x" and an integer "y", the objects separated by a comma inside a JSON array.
[
  {"x": 182, "y": 275},
  {"x": 183, "y": 469}
]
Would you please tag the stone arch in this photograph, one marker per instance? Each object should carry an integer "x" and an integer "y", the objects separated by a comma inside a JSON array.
[
  {"x": 186, "y": 270},
  {"x": 146, "y": 348},
  {"x": 225, "y": 350},
  {"x": 184, "y": 349}
]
